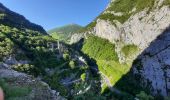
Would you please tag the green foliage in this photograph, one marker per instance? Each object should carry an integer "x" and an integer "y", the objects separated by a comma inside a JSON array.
[
  {"x": 88, "y": 27},
  {"x": 111, "y": 17},
  {"x": 2, "y": 16},
  {"x": 99, "y": 48},
  {"x": 113, "y": 70},
  {"x": 13, "y": 91},
  {"x": 6, "y": 46},
  {"x": 53, "y": 81},
  {"x": 126, "y": 7},
  {"x": 89, "y": 95},
  {"x": 64, "y": 33},
  {"x": 143, "y": 96},
  {"x": 33, "y": 44},
  {"x": 66, "y": 56},
  {"x": 166, "y": 2},
  {"x": 21, "y": 56},
  {"x": 104, "y": 53},
  {"x": 83, "y": 76},
  {"x": 27, "y": 68},
  {"x": 72, "y": 64},
  {"x": 129, "y": 49}
]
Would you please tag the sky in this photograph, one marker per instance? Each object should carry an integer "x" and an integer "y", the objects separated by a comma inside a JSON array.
[{"x": 56, "y": 13}]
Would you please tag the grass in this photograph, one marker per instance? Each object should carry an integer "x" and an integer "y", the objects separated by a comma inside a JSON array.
[
  {"x": 12, "y": 91},
  {"x": 112, "y": 69},
  {"x": 126, "y": 6},
  {"x": 99, "y": 48}
]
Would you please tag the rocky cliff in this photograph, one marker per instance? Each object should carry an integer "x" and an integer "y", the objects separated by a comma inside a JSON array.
[
  {"x": 17, "y": 80},
  {"x": 145, "y": 24}
]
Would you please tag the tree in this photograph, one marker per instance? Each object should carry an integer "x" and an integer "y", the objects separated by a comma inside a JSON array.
[
  {"x": 66, "y": 56},
  {"x": 83, "y": 76},
  {"x": 72, "y": 64}
]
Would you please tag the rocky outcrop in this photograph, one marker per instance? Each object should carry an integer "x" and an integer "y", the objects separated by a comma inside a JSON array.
[
  {"x": 39, "y": 89},
  {"x": 76, "y": 37}
]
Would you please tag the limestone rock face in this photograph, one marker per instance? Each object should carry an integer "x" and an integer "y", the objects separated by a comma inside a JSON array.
[
  {"x": 150, "y": 32},
  {"x": 155, "y": 64},
  {"x": 105, "y": 30},
  {"x": 76, "y": 37},
  {"x": 139, "y": 29}
]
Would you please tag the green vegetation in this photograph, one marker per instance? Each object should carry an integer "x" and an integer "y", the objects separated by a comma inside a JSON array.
[
  {"x": 89, "y": 95},
  {"x": 57, "y": 68},
  {"x": 34, "y": 45},
  {"x": 66, "y": 56},
  {"x": 55, "y": 80},
  {"x": 99, "y": 48},
  {"x": 166, "y": 2},
  {"x": 113, "y": 70},
  {"x": 143, "y": 96},
  {"x": 72, "y": 64},
  {"x": 88, "y": 27},
  {"x": 126, "y": 7},
  {"x": 107, "y": 60},
  {"x": 12, "y": 92},
  {"x": 64, "y": 33},
  {"x": 111, "y": 17},
  {"x": 83, "y": 76},
  {"x": 27, "y": 68},
  {"x": 130, "y": 49},
  {"x": 6, "y": 46}
]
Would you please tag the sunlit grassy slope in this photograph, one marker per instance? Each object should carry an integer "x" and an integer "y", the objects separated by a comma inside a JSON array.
[{"x": 107, "y": 60}]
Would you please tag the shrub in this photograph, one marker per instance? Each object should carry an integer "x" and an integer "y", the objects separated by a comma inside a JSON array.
[
  {"x": 72, "y": 64},
  {"x": 83, "y": 76},
  {"x": 66, "y": 56},
  {"x": 129, "y": 49},
  {"x": 24, "y": 68}
]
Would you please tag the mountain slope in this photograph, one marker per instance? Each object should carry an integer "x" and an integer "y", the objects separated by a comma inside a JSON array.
[
  {"x": 29, "y": 57},
  {"x": 64, "y": 33},
  {"x": 20, "y": 52},
  {"x": 132, "y": 26},
  {"x": 11, "y": 18}
]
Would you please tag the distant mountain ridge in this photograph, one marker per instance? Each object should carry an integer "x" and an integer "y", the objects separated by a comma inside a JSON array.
[
  {"x": 17, "y": 20},
  {"x": 66, "y": 29},
  {"x": 64, "y": 33}
]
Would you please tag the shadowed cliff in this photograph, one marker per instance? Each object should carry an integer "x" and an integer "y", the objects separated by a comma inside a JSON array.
[{"x": 150, "y": 71}]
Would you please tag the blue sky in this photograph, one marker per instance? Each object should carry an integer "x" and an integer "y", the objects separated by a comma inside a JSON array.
[{"x": 55, "y": 13}]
